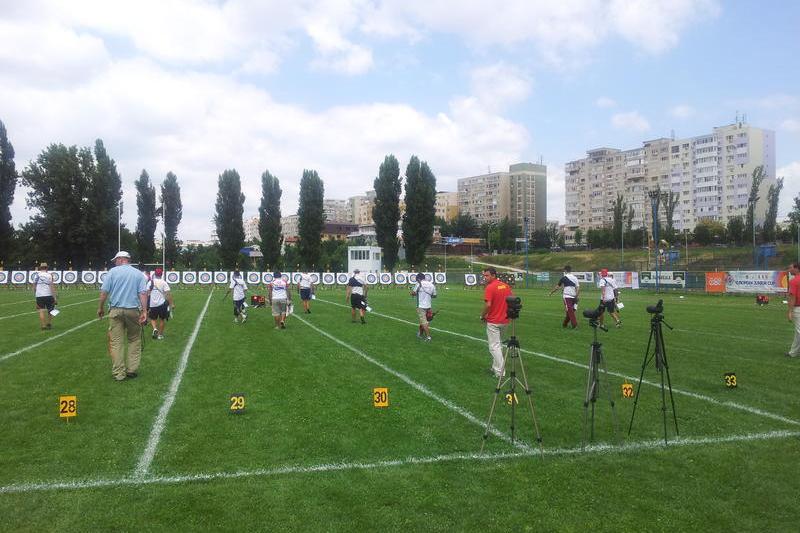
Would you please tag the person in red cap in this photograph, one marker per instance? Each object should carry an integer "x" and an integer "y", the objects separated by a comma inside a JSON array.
[
  {"x": 160, "y": 299},
  {"x": 609, "y": 295}
]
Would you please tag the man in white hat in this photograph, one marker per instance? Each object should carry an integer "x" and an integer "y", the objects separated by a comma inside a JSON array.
[{"x": 126, "y": 291}]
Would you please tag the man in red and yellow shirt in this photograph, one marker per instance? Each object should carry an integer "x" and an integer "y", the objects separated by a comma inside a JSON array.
[
  {"x": 494, "y": 314},
  {"x": 794, "y": 312}
]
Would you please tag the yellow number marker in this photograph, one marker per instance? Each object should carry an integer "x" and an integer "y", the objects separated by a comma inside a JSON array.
[
  {"x": 67, "y": 406},
  {"x": 511, "y": 398},
  {"x": 380, "y": 397},
  {"x": 627, "y": 390},
  {"x": 730, "y": 380},
  {"x": 237, "y": 403}
]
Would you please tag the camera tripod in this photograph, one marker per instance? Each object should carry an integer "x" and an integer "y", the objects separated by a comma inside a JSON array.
[
  {"x": 596, "y": 363},
  {"x": 512, "y": 355},
  {"x": 659, "y": 355}
]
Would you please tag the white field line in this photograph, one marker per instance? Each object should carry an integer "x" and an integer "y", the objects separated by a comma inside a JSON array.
[
  {"x": 48, "y": 339},
  {"x": 59, "y": 307},
  {"x": 143, "y": 466},
  {"x": 732, "y": 405},
  {"x": 418, "y": 386},
  {"x": 16, "y": 303},
  {"x": 597, "y": 449}
]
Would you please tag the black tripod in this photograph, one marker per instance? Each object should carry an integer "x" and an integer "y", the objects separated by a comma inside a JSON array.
[
  {"x": 512, "y": 353},
  {"x": 596, "y": 362},
  {"x": 659, "y": 355}
]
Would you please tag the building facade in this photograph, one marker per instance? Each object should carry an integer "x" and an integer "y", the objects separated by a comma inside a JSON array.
[
  {"x": 711, "y": 175},
  {"x": 517, "y": 194},
  {"x": 290, "y": 226},
  {"x": 447, "y": 205},
  {"x": 361, "y": 208},
  {"x": 337, "y": 210}
]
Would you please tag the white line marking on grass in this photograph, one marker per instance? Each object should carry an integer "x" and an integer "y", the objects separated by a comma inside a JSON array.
[
  {"x": 596, "y": 449},
  {"x": 733, "y": 405},
  {"x": 59, "y": 307},
  {"x": 48, "y": 339},
  {"x": 418, "y": 386},
  {"x": 15, "y": 303},
  {"x": 149, "y": 453}
]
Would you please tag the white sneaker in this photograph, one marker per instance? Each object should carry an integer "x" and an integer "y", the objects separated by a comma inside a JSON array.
[
  {"x": 244, "y": 318},
  {"x": 235, "y": 320}
]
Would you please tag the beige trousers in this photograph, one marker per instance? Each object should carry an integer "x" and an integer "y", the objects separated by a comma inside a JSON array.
[
  {"x": 124, "y": 323},
  {"x": 494, "y": 334},
  {"x": 795, "y": 349}
]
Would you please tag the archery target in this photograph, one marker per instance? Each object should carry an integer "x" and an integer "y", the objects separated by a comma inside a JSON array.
[
  {"x": 440, "y": 277},
  {"x": 287, "y": 277},
  {"x": 400, "y": 278},
  {"x": 88, "y": 277},
  {"x": 220, "y": 277},
  {"x": 205, "y": 278},
  {"x": 173, "y": 277},
  {"x": 56, "y": 276},
  {"x": 342, "y": 278},
  {"x": 253, "y": 278},
  {"x": 315, "y": 277},
  {"x": 385, "y": 278},
  {"x": 470, "y": 279},
  {"x": 428, "y": 276},
  {"x": 3, "y": 276},
  {"x": 372, "y": 278},
  {"x": 189, "y": 278},
  {"x": 32, "y": 276},
  {"x": 101, "y": 276},
  {"x": 19, "y": 277},
  {"x": 296, "y": 277},
  {"x": 267, "y": 277},
  {"x": 69, "y": 277},
  {"x": 328, "y": 278}
]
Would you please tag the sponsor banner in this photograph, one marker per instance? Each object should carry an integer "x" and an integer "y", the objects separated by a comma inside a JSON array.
[
  {"x": 541, "y": 277},
  {"x": 89, "y": 277},
  {"x": 328, "y": 278},
  {"x": 401, "y": 278},
  {"x": 315, "y": 277},
  {"x": 101, "y": 276},
  {"x": 205, "y": 278},
  {"x": 220, "y": 277},
  {"x": 56, "y": 276},
  {"x": 753, "y": 281},
  {"x": 19, "y": 277},
  {"x": 253, "y": 278},
  {"x": 470, "y": 279},
  {"x": 342, "y": 278},
  {"x": 715, "y": 281},
  {"x": 371, "y": 278},
  {"x": 385, "y": 278},
  {"x": 584, "y": 277},
  {"x": 3, "y": 276},
  {"x": 69, "y": 277},
  {"x": 189, "y": 278},
  {"x": 695, "y": 280},
  {"x": 172, "y": 277},
  {"x": 625, "y": 280},
  {"x": 668, "y": 279},
  {"x": 440, "y": 277}
]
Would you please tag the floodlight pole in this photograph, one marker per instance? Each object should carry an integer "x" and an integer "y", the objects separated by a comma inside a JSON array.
[
  {"x": 525, "y": 224},
  {"x": 655, "y": 198},
  {"x": 119, "y": 225}
]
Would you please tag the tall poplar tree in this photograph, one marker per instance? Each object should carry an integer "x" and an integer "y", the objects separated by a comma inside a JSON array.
[
  {"x": 386, "y": 211},
  {"x": 418, "y": 220},
  {"x": 145, "y": 217},
  {"x": 311, "y": 218},
  {"x": 172, "y": 213},
  {"x": 228, "y": 217},
  {"x": 771, "y": 218},
  {"x": 104, "y": 194},
  {"x": 269, "y": 219},
  {"x": 749, "y": 221},
  {"x": 8, "y": 184}
]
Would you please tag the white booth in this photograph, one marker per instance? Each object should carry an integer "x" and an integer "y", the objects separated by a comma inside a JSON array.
[{"x": 364, "y": 258}]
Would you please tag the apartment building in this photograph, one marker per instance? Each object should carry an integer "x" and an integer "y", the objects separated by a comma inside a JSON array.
[
  {"x": 290, "y": 226},
  {"x": 337, "y": 210},
  {"x": 447, "y": 205},
  {"x": 518, "y": 193},
  {"x": 711, "y": 174},
  {"x": 361, "y": 208},
  {"x": 251, "y": 229}
]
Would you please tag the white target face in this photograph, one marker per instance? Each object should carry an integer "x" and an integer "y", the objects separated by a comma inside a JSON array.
[
  {"x": 220, "y": 277},
  {"x": 101, "y": 276},
  {"x": 32, "y": 276},
  {"x": 70, "y": 277},
  {"x": 385, "y": 278},
  {"x": 173, "y": 277},
  {"x": 253, "y": 278},
  {"x": 296, "y": 277},
  {"x": 341, "y": 278},
  {"x": 470, "y": 279},
  {"x": 286, "y": 276},
  {"x": 440, "y": 277},
  {"x": 88, "y": 277},
  {"x": 19, "y": 277},
  {"x": 3, "y": 276},
  {"x": 328, "y": 278},
  {"x": 56, "y": 276},
  {"x": 372, "y": 278},
  {"x": 428, "y": 276},
  {"x": 204, "y": 277},
  {"x": 189, "y": 278},
  {"x": 400, "y": 278},
  {"x": 267, "y": 277},
  {"x": 315, "y": 277}
]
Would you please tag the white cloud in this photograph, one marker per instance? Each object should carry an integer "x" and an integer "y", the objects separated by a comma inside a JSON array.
[
  {"x": 632, "y": 120},
  {"x": 556, "y": 192},
  {"x": 682, "y": 111},
  {"x": 604, "y": 102},
  {"x": 791, "y": 187},
  {"x": 791, "y": 124},
  {"x": 500, "y": 85}
]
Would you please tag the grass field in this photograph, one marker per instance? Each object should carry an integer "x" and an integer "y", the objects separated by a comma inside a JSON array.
[{"x": 163, "y": 452}]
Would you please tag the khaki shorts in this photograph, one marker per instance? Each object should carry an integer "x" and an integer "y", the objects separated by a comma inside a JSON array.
[
  {"x": 279, "y": 307},
  {"x": 422, "y": 315}
]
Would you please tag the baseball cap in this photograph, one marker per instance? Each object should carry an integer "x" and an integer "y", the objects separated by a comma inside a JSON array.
[
  {"x": 356, "y": 271},
  {"x": 126, "y": 255},
  {"x": 42, "y": 265},
  {"x": 604, "y": 272}
]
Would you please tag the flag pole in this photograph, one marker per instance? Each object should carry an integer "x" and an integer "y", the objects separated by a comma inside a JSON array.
[{"x": 119, "y": 225}]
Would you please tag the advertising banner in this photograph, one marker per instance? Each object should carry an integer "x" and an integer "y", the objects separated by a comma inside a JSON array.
[
  {"x": 667, "y": 279},
  {"x": 753, "y": 281},
  {"x": 625, "y": 280},
  {"x": 715, "y": 281},
  {"x": 585, "y": 277}
]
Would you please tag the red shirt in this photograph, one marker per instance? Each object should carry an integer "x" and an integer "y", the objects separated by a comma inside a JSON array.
[
  {"x": 794, "y": 288},
  {"x": 495, "y": 294}
]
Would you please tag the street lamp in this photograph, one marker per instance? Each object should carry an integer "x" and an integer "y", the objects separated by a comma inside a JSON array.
[{"x": 655, "y": 198}]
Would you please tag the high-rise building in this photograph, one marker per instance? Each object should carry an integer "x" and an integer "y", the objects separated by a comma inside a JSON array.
[
  {"x": 251, "y": 229},
  {"x": 290, "y": 226},
  {"x": 711, "y": 175},
  {"x": 517, "y": 194},
  {"x": 337, "y": 210},
  {"x": 447, "y": 205},
  {"x": 361, "y": 208}
]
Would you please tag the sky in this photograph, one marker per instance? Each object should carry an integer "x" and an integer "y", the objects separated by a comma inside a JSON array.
[{"x": 198, "y": 87}]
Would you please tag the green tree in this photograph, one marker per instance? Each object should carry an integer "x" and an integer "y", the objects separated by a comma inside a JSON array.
[
  {"x": 735, "y": 230},
  {"x": 619, "y": 207},
  {"x": 709, "y": 231},
  {"x": 669, "y": 200},
  {"x": 172, "y": 211},
  {"x": 507, "y": 232},
  {"x": 420, "y": 200},
  {"x": 269, "y": 219},
  {"x": 104, "y": 195},
  {"x": 758, "y": 178},
  {"x": 578, "y": 236},
  {"x": 386, "y": 211},
  {"x": 228, "y": 217},
  {"x": 8, "y": 184},
  {"x": 311, "y": 219},
  {"x": 145, "y": 217},
  {"x": 773, "y": 196},
  {"x": 540, "y": 240},
  {"x": 464, "y": 225}
]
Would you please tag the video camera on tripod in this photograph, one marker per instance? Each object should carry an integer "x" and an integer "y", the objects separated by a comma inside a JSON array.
[
  {"x": 513, "y": 307},
  {"x": 657, "y": 309},
  {"x": 593, "y": 315}
]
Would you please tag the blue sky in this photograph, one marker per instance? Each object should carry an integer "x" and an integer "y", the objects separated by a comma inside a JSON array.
[{"x": 199, "y": 87}]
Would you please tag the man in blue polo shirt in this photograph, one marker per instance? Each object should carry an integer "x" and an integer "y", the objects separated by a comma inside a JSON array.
[{"x": 126, "y": 291}]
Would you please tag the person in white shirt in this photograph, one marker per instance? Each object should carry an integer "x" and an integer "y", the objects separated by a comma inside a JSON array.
[
  {"x": 356, "y": 292},
  {"x": 609, "y": 296},
  {"x": 306, "y": 287},
  {"x": 160, "y": 303},
  {"x": 239, "y": 288},
  {"x": 571, "y": 289},
  {"x": 44, "y": 290},
  {"x": 279, "y": 299},
  {"x": 424, "y": 290}
]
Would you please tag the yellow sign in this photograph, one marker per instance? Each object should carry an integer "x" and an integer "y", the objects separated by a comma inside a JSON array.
[
  {"x": 67, "y": 406},
  {"x": 380, "y": 397},
  {"x": 627, "y": 390},
  {"x": 237, "y": 402},
  {"x": 730, "y": 380},
  {"x": 511, "y": 398}
]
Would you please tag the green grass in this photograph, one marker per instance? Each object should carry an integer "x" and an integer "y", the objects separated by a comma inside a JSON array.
[{"x": 311, "y": 453}]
